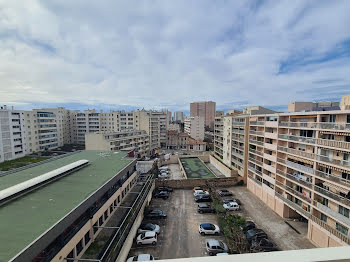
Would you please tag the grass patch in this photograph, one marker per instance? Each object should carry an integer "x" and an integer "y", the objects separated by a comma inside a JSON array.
[
  {"x": 19, "y": 162},
  {"x": 195, "y": 168}
]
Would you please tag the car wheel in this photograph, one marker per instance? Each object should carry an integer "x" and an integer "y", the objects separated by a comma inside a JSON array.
[
  {"x": 202, "y": 233},
  {"x": 216, "y": 233},
  {"x": 139, "y": 243},
  {"x": 201, "y": 212},
  {"x": 211, "y": 253},
  {"x": 154, "y": 242}
]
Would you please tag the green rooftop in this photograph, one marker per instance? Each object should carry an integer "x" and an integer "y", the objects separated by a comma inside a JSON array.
[
  {"x": 195, "y": 168},
  {"x": 26, "y": 218}
]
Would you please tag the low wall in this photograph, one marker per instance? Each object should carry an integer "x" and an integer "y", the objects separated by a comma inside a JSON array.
[
  {"x": 222, "y": 168},
  {"x": 123, "y": 254},
  {"x": 175, "y": 158},
  {"x": 190, "y": 183}
]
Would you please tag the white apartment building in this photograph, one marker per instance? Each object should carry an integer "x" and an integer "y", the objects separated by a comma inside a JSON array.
[
  {"x": 84, "y": 122},
  {"x": 12, "y": 134},
  {"x": 116, "y": 141},
  {"x": 194, "y": 127}
]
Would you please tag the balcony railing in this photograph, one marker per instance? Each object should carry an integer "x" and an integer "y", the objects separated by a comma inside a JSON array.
[
  {"x": 237, "y": 131},
  {"x": 237, "y": 138},
  {"x": 332, "y": 177},
  {"x": 299, "y": 194},
  {"x": 338, "y": 162},
  {"x": 256, "y": 142},
  {"x": 294, "y": 205},
  {"x": 332, "y": 195},
  {"x": 254, "y": 170},
  {"x": 319, "y": 125},
  {"x": 238, "y": 123},
  {"x": 291, "y": 164},
  {"x": 333, "y": 143},
  {"x": 256, "y": 161},
  {"x": 255, "y": 180},
  {"x": 256, "y": 152},
  {"x": 297, "y": 152},
  {"x": 257, "y": 123},
  {"x": 330, "y": 229},
  {"x": 241, "y": 156},
  {"x": 258, "y": 133},
  {"x": 331, "y": 212},
  {"x": 238, "y": 147},
  {"x": 309, "y": 140},
  {"x": 294, "y": 178}
]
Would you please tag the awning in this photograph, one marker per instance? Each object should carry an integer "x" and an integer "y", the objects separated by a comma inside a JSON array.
[
  {"x": 301, "y": 160},
  {"x": 335, "y": 133},
  {"x": 336, "y": 188},
  {"x": 333, "y": 168}
]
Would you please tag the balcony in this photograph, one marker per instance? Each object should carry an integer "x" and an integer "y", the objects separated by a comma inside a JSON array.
[
  {"x": 338, "y": 162},
  {"x": 256, "y": 142},
  {"x": 332, "y": 213},
  {"x": 255, "y": 180},
  {"x": 235, "y": 146},
  {"x": 333, "y": 143},
  {"x": 271, "y": 135},
  {"x": 270, "y": 146},
  {"x": 296, "y": 179},
  {"x": 238, "y": 123},
  {"x": 303, "y": 139},
  {"x": 332, "y": 177},
  {"x": 254, "y": 170},
  {"x": 255, "y": 152},
  {"x": 294, "y": 206},
  {"x": 271, "y": 124},
  {"x": 257, "y": 133},
  {"x": 291, "y": 164},
  {"x": 237, "y": 138},
  {"x": 240, "y": 156},
  {"x": 298, "y": 124},
  {"x": 237, "y": 131},
  {"x": 257, "y": 123},
  {"x": 297, "y": 152},
  {"x": 255, "y": 161},
  {"x": 293, "y": 191},
  {"x": 221, "y": 129},
  {"x": 270, "y": 179},
  {"x": 272, "y": 158},
  {"x": 332, "y": 195},
  {"x": 269, "y": 168},
  {"x": 319, "y": 125},
  {"x": 237, "y": 162}
]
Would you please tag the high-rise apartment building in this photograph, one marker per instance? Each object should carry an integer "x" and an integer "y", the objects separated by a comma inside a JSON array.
[
  {"x": 179, "y": 116},
  {"x": 297, "y": 163},
  {"x": 194, "y": 127},
  {"x": 206, "y": 109},
  {"x": 12, "y": 134}
]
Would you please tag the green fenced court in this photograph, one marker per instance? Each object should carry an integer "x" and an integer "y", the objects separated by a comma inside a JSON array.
[{"x": 195, "y": 168}]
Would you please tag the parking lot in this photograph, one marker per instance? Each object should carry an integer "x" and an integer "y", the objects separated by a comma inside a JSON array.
[{"x": 179, "y": 235}]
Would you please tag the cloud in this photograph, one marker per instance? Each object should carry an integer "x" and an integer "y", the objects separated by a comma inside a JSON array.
[{"x": 165, "y": 54}]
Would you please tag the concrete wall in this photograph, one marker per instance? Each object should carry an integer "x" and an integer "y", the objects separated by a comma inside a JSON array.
[
  {"x": 221, "y": 167},
  {"x": 123, "y": 254},
  {"x": 321, "y": 237},
  {"x": 190, "y": 183},
  {"x": 174, "y": 159}
]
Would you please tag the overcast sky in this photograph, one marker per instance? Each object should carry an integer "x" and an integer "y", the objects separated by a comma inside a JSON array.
[{"x": 165, "y": 54}]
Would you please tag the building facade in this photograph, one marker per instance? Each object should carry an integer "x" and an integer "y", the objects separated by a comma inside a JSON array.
[
  {"x": 194, "y": 127},
  {"x": 115, "y": 141},
  {"x": 205, "y": 109},
  {"x": 179, "y": 116},
  {"x": 12, "y": 134}
]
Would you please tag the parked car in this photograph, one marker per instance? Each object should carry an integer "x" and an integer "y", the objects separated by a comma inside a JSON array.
[
  {"x": 203, "y": 198},
  {"x": 163, "y": 168},
  {"x": 147, "y": 238},
  {"x": 231, "y": 206},
  {"x": 255, "y": 233},
  {"x": 141, "y": 257},
  {"x": 199, "y": 188},
  {"x": 163, "y": 176},
  {"x": 165, "y": 188},
  {"x": 215, "y": 246},
  {"x": 208, "y": 229},
  {"x": 248, "y": 225},
  {"x": 148, "y": 227},
  {"x": 162, "y": 194},
  {"x": 262, "y": 245},
  {"x": 205, "y": 208},
  {"x": 228, "y": 200},
  {"x": 200, "y": 192},
  {"x": 155, "y": 214},
  {"x": 225, "y": 192}
]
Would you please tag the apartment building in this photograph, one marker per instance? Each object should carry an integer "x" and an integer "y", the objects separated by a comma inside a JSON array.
[
  {"x": 206, "y": 109},
  {"x": 115, "y": 141},
  {"x": 179, "y": 116},
  {"x": 88, "y": 121},
  {"x": 12, "y": 134},
  {"x": 194, "y": 127}
]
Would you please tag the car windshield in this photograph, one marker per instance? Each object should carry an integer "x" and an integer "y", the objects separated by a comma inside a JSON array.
[
  {"x": 150, "y": 226},
  {"x": 221, "y": 245}
]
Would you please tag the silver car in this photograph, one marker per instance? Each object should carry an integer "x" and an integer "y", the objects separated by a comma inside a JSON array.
[{"x": 215, "y": 246}]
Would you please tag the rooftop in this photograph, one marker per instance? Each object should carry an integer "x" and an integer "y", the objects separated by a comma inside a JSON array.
[{"x": 25, "y": 219}]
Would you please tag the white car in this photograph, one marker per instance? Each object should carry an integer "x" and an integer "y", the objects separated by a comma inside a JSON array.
[
  {"x": 141, "y": 257},
  {"x": 231, "y": 206},
  {"x": 148, "y": 227},
  {"x": 200, "y": 192},
  {"x": 208, "y": 229},
  {"x": 149, "y": 237}
]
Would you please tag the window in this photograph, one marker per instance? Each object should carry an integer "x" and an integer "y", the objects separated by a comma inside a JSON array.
[
  {"x": 344, "y": 211},
  {"x": 345, "y": 176},
  {"x": 87, "y": 237},
  {"x": 100, "y": 221},
  {"x": 95, "y": 227},
  {"x": 341, "y": 229},
  {"x": 71, "y": 254},
  {"x": 106, "y": 214},
  {"x": 79, "y": 247},
  {"x": 347, "y": 138},
  {"x": 323, "y": 217},
  {"x": 332, "y": 118}
]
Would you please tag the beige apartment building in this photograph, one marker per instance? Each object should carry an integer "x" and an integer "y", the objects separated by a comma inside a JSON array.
[
  {"x": 205, "y": 109},
  {"x": 115, "y": 141},
  {"x": 298, "y": 164},
  {"x": 194, "y": 127}
]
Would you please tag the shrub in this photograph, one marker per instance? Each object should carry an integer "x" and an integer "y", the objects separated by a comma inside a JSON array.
[{"x": 240, "y": 183}]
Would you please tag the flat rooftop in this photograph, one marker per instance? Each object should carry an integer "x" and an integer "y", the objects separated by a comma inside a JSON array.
[
  {"x": 195, "y": 168},
  {"x": 26, "y": 218}
]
